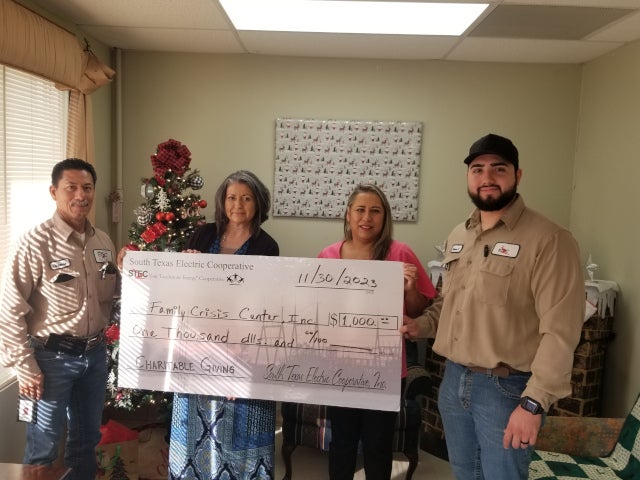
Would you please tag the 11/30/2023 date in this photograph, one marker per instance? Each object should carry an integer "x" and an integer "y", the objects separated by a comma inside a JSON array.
[{"x": 341, "y": 279}]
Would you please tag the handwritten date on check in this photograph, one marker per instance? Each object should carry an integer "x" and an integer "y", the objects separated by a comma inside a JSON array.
[{"x": 304, "y": 330}]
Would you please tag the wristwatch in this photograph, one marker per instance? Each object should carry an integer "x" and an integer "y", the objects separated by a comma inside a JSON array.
[{"x": 531, "y": 406}]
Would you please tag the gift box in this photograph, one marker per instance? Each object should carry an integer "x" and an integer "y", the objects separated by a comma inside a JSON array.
[
  {"x": 153, "y": 452},
  {"x": 117, "y": 452}
]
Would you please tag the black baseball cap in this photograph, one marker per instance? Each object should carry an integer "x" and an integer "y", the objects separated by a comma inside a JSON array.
[{"x": 494, "y": 145}]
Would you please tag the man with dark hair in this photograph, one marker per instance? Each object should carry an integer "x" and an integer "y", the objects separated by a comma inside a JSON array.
[
  {"x": 57, "y": 290},
  {"x": 507, "y": 322}
]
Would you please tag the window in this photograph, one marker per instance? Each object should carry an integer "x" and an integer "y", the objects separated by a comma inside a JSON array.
[{"x": 33, "y": 132}]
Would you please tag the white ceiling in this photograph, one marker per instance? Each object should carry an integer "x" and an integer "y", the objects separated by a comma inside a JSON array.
[{"x": 547, "y": 31}]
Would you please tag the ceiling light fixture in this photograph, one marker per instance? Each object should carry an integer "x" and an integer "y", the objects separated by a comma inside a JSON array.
[{"x": 364, "y": 17}]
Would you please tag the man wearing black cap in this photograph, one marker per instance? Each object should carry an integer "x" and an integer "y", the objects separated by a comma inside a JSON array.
[{"x": 508, "y": 320}]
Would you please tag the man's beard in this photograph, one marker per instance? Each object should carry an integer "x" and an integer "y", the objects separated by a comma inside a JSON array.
[{"x": 492, "y": 204}]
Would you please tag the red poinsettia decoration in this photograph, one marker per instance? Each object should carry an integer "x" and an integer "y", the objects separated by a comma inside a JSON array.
[
  {"x": 170, "y": 155},
  {"x": 112, "y": 334}
]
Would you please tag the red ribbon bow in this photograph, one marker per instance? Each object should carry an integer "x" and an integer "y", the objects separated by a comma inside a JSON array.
[{"x": 170, "y": 155}]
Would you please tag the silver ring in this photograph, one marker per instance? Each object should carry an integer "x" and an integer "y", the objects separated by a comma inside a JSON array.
[{"x": 524, "y": 443}]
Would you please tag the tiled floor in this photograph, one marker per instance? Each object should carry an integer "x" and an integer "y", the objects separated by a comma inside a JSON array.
[{"x": 311, "y": 464}]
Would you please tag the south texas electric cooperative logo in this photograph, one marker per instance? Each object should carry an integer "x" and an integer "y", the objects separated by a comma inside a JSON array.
[
  {"x": 232, "y": 279},
  {"x": 138, "y": 274}
]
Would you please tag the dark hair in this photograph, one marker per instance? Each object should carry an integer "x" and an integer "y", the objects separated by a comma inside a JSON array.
[
  {"x": 260, "y": 193},
  {"x": 71, "y": 164},
  {"x": 383, "y": 242}
]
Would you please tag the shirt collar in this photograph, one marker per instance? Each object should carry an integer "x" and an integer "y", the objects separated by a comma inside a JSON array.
[
  {"x": 67, "y": 230},
  {"x": 509, "y": 219}
]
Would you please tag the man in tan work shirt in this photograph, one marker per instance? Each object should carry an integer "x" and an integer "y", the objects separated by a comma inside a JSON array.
[
  {"x": 508, "y": 320},
  {"x": 58, "y": 286}
]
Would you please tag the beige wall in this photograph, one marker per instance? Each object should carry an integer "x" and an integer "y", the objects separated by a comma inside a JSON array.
[
  {"x": 224, "y": 107},
  {"x": 604, "y": 215}
]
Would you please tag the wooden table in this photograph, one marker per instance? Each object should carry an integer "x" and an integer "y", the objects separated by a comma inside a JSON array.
[{"x": 17, "y": 471}]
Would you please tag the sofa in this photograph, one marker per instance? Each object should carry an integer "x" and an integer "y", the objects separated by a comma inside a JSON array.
[{"x": 572, "y": 448}]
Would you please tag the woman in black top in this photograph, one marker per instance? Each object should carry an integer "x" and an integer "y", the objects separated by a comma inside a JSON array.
[{"x": 215, "y": 437}]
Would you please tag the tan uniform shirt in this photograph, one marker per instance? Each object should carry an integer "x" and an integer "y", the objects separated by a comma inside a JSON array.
[
  {"x": 512, "y": 294},
  {"x": 52, "y": 284}
]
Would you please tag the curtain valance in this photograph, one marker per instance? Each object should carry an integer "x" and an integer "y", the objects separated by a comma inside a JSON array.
[{"x": 36, "y": 45}]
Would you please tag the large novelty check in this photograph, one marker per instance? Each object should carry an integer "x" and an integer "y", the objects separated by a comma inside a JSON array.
[{"x": 293, "y": 329}]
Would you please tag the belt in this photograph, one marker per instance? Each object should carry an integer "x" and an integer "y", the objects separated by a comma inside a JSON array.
[
  {"x": 71, "y": 344},
  {"x": 502, "y": 370},
  {"x": 93, "y": 341}
]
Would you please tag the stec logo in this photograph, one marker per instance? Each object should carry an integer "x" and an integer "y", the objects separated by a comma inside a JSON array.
[{"x": 138, "y": 273}]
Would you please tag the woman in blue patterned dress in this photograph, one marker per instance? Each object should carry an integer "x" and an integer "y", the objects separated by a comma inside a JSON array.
[{"x": 215, "y": 437}]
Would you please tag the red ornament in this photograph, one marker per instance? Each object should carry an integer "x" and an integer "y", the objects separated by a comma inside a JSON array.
[
  {"x": 132, "y": 246},
  {"x": 169, "y": 216},
  {"x": 202, "y": 203},
  {"x": 160, "y": 216}
]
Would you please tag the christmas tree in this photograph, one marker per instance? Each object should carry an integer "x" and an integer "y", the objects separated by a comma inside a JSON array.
[
  {"x": 170, "y": 214},
  {"x": 112, "y": 468},
  {"x": 163, "y": 222},
  {"x": 119, "y": 472}
]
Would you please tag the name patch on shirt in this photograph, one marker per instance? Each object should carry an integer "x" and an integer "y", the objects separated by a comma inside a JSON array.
[
  {"x": 103, "y": 256},
  {"x": 58, "y": 264},
  {"x": 506, "y": 249},
  {"x": 457, "y": 248}
]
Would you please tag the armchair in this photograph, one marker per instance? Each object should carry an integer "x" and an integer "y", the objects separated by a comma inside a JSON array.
[
  {"x": 308, "y": 425},
  {"x": 572, "y": 448}
]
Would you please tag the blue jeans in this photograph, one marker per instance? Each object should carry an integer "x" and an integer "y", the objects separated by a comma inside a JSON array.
[
  {"x": 475, "y": 409},
  {"x": 74, "y": 393}
]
